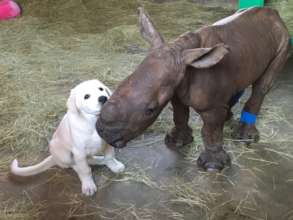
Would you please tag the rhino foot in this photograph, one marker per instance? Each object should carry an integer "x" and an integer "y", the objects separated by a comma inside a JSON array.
[
  {"x": 213, "y": 161},
  {"x": 178, "y": 138},
  {"x": 247, "y": 133}
]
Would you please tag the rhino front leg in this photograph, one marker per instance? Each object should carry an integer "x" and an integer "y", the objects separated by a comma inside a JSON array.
[
  {"x": 214, "y": 156},
  {"x": 181, "y": 134}
]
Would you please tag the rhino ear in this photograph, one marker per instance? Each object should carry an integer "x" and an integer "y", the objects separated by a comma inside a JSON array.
[
  {"x": 205, "y": 57},
  {"x": 147, "y": 29}
]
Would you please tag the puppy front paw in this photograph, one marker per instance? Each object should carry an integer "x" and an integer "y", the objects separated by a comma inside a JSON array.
[
  {"x": 115, "y": 166},
  {"x": 89, "y": 188}
]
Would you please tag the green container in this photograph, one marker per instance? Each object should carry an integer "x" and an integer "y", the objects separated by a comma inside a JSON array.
[{"x": 250, "y": 3}]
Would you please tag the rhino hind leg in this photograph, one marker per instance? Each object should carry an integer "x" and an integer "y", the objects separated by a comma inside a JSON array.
[
  {"x": 233, "y": 101},
  {"x": 247, "y": 130},
  {"x": 181, "y": 134}
]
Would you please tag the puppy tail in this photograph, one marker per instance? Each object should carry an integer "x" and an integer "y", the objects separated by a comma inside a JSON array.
[{"x": 32, "y": 170}]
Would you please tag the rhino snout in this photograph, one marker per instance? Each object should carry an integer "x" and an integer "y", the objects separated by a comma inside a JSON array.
[
  {"x": 110, "y": 128},
  {"x": 110, "y": 113}
]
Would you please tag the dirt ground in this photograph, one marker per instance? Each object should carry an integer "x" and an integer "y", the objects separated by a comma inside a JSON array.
[{"x": 57, "y": 44}]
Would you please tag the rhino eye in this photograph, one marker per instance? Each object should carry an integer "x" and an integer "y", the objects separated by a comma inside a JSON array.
[
  {"x": 149, "y": 111},
  {"x": 86, "y": 96},
  {"x": 151, "y": 108}
]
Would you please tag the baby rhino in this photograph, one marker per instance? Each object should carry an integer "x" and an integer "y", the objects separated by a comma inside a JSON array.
[{"x": 205, "y": 70}]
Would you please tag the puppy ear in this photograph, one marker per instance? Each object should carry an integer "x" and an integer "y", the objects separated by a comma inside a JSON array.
[{"x": 71, "y": 102}]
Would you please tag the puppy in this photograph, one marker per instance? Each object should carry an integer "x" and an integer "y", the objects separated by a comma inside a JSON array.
[{"x": 76, "y": 141}]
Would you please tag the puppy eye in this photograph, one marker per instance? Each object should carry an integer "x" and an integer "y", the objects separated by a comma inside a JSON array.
[
  {"x": 86, "y": 96},
  {"x": 101, "y": 89}
]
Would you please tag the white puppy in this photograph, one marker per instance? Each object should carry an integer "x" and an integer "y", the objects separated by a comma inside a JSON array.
[{"x": 75, "y": 142}]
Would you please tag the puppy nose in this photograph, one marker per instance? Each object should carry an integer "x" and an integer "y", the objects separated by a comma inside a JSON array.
[{"x": 103, "y": 99}]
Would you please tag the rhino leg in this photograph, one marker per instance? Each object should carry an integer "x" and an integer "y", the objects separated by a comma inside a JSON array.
[
  {"x": 247, "y": 130},
  {"x": 181, "y": 134},
  {"x": 214, "y": 157},
  {"x": 233, "y": 101}
]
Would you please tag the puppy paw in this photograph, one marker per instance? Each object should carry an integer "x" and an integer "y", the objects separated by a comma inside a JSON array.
[
  {"x": 115, "y": 166},
  {"x": 89, "y": 188}
]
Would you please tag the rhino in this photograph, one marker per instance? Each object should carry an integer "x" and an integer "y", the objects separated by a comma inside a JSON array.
[{"x": 203, "y": 70}]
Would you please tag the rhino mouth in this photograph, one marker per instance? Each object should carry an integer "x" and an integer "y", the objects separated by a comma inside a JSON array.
[
  {"x": 113, "y": 138},
  {"x": 120, "y": 143}
]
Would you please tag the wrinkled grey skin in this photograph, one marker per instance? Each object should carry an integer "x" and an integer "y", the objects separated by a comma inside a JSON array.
[{"x": 201, "y": 70}]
